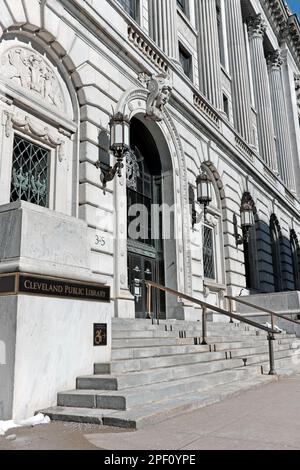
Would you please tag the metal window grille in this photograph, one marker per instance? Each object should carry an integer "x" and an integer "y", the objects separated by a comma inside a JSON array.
[
  {"x": 130, "y": 6},
  {"x": 208, "y": 253},
  {"x": 30, "y": 170}
]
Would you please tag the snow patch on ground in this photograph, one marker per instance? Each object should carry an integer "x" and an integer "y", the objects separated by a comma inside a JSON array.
[{"x": 34, "y": 421}]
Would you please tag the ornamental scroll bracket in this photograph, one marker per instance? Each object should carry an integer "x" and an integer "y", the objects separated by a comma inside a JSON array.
[
  {"x": 26, "y": 125},
  {"x": 160, "y": 90}
]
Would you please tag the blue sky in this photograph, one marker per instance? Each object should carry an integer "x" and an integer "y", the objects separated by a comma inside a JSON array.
[{"x": 295, "y": 6}]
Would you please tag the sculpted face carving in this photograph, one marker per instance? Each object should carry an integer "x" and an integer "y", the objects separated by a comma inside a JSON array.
[
  {"x": 29, "y": 70},
  {"x": 159, "y": 94}
]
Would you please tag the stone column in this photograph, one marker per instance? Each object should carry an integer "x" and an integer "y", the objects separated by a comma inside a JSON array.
[
  {"x": 209, "y": 51},
  {"x": 266, "y": 134},
  {"x": 239, "y": 70},
  {"x": 163, "y": 26},
  {"x": 280, "y": 119}
]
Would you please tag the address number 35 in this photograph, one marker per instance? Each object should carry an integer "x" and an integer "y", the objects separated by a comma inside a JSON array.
[{"x": 100, "y": 241}]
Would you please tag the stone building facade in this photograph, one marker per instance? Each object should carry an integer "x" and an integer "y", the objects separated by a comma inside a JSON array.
[{"x": 208, "y": 85}]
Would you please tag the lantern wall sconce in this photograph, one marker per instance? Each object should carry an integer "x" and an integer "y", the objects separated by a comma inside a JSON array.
[
  {"x": 247, "y": 221},
  {"x": 204, "y": 194},
  {"x": 119, "y": 145}
]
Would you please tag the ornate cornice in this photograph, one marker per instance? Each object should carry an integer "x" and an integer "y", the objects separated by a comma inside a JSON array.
[{"x": 285, "y": 25}]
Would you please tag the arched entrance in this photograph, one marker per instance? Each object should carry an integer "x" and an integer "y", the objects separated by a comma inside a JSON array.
[{"x": 145, "y": 244}]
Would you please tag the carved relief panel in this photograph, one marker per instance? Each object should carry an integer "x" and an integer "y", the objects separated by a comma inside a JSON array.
[{"x": 30, "y": 71}]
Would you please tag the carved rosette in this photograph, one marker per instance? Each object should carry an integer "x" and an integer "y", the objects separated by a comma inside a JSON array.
[
  {"x": 256, "y": 27},
  {"x": 29, "y": 70},
  {"x": 275, "y": 60}
]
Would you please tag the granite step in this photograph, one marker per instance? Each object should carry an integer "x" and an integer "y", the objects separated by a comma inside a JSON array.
[
  {"x": 153, "y": 392},
  {"x": 151, "y": 413},
  {"x": 130, "y": 365},
  {"x": 167, "y": 350},
  {"x": 165, "y": 374}
]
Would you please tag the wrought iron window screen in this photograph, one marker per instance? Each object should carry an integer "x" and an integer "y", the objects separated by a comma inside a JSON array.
[
  {"x": 30, "y": 172},
  {"x": 208, "y": 253}
]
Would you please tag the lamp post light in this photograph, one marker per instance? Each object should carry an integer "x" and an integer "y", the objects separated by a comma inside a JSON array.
[
  {"x": 204, "y": 191},
  {"x": 247, "y": 221},
  {"x": 119, "y": 145}
]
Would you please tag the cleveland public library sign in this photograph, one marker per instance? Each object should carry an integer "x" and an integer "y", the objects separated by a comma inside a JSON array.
[{"x": 31, "y": 284}]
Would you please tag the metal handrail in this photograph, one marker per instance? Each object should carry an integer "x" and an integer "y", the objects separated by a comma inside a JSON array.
[
  {"x": 262, "y": 309},
  {"x": 205, "y": 306}
]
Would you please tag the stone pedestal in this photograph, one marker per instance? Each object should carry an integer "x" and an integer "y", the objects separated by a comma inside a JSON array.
[{"x": 45, "y": 341}]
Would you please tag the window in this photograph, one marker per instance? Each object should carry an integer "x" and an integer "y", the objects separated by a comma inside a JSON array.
[
  {"x": 226, "y": 105},
  {"x": 220, "y": 32},
  {"x": 186, "y": 61},
  {"x": 131, "y": 7},
  {"x": 208, "y": 253},
  {"x": 182, "y": 5},
  {"x": 30, "y": 173}
]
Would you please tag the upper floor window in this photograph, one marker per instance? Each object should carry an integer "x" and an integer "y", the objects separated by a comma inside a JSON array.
[
  {"x": 30, "y": 172},
  {"x": 131, "y": 7},
  {"x": 186, "y": 61},
  {"x": 183, "y": 6},
  {"x": 222, "y": 33}
]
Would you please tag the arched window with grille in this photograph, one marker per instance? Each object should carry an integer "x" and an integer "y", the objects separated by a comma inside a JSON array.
[
  {"x": 295, "y": 247},
  {"x": 276, "y": 236}
]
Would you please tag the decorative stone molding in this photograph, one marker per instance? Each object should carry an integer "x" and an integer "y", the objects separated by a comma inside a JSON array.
[
  {"x": 145, "y": 47},
  {"x": 275, "y": 60},
  {"x": 241, "y": 145},
  {"x": 208, "y": 110},
  {"x": 25, "y": 125},
  {"x": 160, "y": 90},
  {"x": 29, "y": 70},
  {"x": 256, "y": 26}
]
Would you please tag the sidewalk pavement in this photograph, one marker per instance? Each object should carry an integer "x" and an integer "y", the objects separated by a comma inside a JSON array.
[{"x": 267, "y": 418}]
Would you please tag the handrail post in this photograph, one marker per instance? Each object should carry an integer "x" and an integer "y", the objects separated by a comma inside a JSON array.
[
  {"x": 271, "y": 354},
  {"x": 149, "y": 292},
  {"x": 272, "y": 321},
  {"x": 204, "y": 326}
]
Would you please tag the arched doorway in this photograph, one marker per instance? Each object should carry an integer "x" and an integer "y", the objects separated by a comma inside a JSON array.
[{"x": 146, "y": 243}]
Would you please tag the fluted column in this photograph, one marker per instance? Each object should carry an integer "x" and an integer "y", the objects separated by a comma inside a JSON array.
[
  {"x": 239, "y": 70},
  {"x": 265, "y": 128},
  {"x": 280, "y": 119},
  {"x": 209, "y": 51},
  {"x": 163, "y": 26}
]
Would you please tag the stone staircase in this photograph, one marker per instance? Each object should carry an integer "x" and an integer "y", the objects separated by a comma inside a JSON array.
[{"x": 158, "y": 371}]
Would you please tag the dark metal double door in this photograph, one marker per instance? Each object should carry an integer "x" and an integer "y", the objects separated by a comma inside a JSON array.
[{"x": 140, "y": 270}]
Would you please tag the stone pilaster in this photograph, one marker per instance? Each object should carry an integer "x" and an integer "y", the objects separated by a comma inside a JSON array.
[
  {"x": 280, "y": 119},
  {"x": 208, "y": 51},
  {"x": 239, "y": 70},
  {"x": 266, "y": 134},
  {"x": 163, "y": 26}
]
